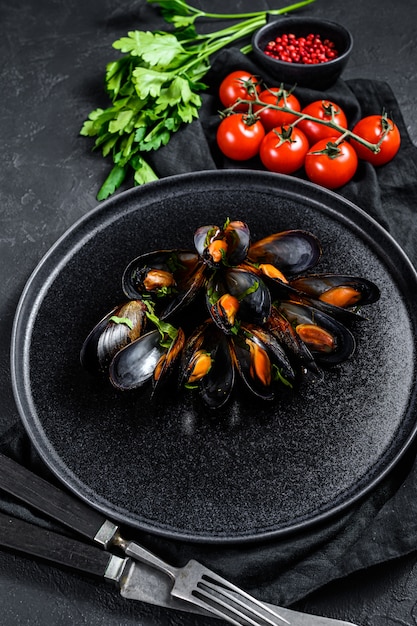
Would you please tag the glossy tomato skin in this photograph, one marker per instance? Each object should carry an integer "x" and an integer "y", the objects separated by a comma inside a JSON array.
[
  {"x": 238, "y": 84},
  {"x": 322, "y": 110},
  {"x": 372, "y": 128},
  {"x": 272, "y": 118},
  {"x": 282, "y": 154},
  {"x": 329, "y": 171},
  {"x": 238, "y": 137}
]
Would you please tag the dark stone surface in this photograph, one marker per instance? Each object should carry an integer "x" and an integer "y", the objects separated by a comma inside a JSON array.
[{"x": 53, "y": 56}]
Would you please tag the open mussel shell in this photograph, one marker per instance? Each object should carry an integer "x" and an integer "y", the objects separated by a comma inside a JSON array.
[
  {"x": 329, "y": 341},
  {"x": 187, "y": 293},
  {"x": 204, "y": 235},
  {"x": 256, "y": 353},
  {"x": 184, "y": 275},
  {"x": 228, "y": 245},
  {"x": 291, "y": 251},
  {"x": 134, "y": 365},
  {"x": 216, "y": 388},
  {"x": 180, "y": 264},
  {"x": 332, "y": 292},
  {"x": 118, "y": 328},
  {"x": 254, "y": 366},
  {"x": 274, "y": 348},
  {"x": 301, "y": 357},
  {"x": 224, "y": 312},
  {"x": 215, "y": 382},
  {"x": 249, "y": 289},
  {"x": 168, "y": 362},
  {"x": 253, "y": 295}
]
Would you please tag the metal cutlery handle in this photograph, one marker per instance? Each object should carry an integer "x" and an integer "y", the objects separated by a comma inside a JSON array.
[
  {"x": 135, "y": 580},
  {"x": 143, "y": 555}
]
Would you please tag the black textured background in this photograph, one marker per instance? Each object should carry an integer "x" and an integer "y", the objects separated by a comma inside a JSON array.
[{"x": 52, "y": 58}]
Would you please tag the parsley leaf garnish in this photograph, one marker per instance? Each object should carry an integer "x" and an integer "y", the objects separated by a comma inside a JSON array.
[{"x": 155, "y": 86}]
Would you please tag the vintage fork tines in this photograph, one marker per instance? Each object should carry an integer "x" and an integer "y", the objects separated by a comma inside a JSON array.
[
  {"x": 138, "y": 576},
  {"x": 196, "y": 584}
]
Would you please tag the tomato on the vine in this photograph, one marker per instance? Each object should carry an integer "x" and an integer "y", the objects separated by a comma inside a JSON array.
[
  {"x": 283, "y": 149},
  {"x": 322, "y": 110},
  {"x": 238, "y": 84},
  {"x": 331, "y": 164},
  {"x": 239, "y": 136},
  {"x": 375, "y": 129},
  {"x": 272, "y": 118}
]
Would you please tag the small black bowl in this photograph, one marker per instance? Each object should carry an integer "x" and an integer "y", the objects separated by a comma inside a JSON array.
[{"x": 318, "y": 76}]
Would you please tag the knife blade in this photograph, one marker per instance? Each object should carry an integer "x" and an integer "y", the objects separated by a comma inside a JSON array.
[{"x": 135, "y": 580}]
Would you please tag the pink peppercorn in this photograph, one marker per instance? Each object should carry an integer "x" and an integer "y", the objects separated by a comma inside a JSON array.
[{"x": 307, "y": 50}]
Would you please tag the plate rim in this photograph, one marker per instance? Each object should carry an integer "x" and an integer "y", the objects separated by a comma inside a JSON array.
[{"x": 18, "y": 353}]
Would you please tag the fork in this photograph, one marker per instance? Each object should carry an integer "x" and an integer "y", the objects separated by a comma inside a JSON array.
[
  {"x": 193, "y": 583},
  {"x": 202, "y": 587}
]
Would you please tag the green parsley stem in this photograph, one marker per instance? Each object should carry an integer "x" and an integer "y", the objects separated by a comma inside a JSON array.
[
  {"x": 234, "y": 16},
  {"x": 154, "y": 88}
]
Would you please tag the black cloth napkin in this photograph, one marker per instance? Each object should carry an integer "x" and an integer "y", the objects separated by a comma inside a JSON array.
[{"x": 381, "y": 527}]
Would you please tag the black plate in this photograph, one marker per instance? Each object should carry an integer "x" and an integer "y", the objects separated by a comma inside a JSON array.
[{"x": 255, "y": 470}]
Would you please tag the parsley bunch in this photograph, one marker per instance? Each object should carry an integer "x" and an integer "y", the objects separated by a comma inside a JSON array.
[{"x": 155, "y": 86}]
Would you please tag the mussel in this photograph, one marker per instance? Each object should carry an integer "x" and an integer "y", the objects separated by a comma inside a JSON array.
[
  {"x": 298, "y": 352},
  {"x": 224, "y": 312},
  {"x": 206, "y": 364},
  {"x": 328, "y": 340},
  {"x": 291, "y": 251},
  {"x": 245, "y": 293},
  {"x": 339, "y": 295},
  {"x": 134, "y": 365},
  {"x": 261, "y": 360},
  {"x": 118, "y": 328},
  {"x": 264, "y": 319},
  {"x": 227, "y": 245},
  {"x": 171, "y": 278},
  {"x": 149, "y": 358},
  {"x": 168, "y": 362},
  {"x": 211, "y": 358}
]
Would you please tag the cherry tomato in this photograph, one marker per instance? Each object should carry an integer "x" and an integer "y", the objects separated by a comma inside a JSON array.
[
  {"x": 239, "y": 136},
  {"x": 283, "y": 149},
  {"x": 272, "y": 118},
  {"x": 238, "y": 84},
  {"x": 375, "y": 128},
  {"x": 329, "y": 164},
  {"x": 322, "y": 110}
]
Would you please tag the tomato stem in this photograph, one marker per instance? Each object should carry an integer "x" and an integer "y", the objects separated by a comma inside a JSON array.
[
  {"x": 342, "y": 137},
  {"x": 331, "y": 150},
  {"x": 345, "y": 133}
]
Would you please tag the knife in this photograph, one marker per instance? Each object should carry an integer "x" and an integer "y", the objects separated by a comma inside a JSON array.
[{"x": 135, "y": 580}]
